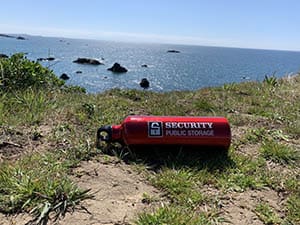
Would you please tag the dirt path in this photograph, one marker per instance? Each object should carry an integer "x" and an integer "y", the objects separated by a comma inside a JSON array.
[{"x": 118, "y": 198}]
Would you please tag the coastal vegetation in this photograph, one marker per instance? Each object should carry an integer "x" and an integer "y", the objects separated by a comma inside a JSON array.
[{"x": 47, "y": 129}]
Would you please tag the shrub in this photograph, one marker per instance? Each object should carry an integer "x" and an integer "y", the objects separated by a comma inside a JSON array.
[
  {"x": 271, "y": 80},
  {"x": 19, "y": 73}
]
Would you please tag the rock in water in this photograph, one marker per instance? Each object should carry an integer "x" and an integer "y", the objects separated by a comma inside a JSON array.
[
  {"x": 117, "y": 68},
  {"x": 144, "y": 83},
  {"x": 21, "y": 38},
  {"x": 87, "y": 61},
  {"x": 64, "y": 76},
  {"x": 173, "y": 51},
  {"x": 46, "y": 59}
]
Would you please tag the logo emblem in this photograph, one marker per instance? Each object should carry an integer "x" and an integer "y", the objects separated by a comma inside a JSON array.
[{"x": 155, "y": 129}]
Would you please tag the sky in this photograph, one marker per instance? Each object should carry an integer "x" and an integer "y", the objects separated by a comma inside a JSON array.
[{"x": 262, "y": 24}]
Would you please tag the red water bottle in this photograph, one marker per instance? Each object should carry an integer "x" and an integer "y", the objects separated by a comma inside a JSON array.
[{"x": 169, "y": 130}]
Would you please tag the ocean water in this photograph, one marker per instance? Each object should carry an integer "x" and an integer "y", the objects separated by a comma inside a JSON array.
[{"x": 193, "y": 68}]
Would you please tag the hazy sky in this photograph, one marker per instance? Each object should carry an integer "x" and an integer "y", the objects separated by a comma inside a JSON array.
[{"x": 269, "y": 24}]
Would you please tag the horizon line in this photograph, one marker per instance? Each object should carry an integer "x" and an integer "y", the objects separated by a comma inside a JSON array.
[{"x": 162, "y": 39}]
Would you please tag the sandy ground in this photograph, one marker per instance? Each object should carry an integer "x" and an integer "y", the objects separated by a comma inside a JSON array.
[{"x": 118, "y": 194}]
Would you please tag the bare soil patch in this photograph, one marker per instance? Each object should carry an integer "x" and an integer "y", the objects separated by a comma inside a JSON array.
[
  {"x": 239, "y": 207},
  {"x": 118, "y": 194},
  {"x": 16, "y": 142}
]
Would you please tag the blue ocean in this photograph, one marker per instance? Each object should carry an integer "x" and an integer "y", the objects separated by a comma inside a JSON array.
[{"x": 193, "y": 68}]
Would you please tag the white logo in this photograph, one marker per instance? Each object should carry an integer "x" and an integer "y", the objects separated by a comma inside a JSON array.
[{"x": 155, "y": 129}]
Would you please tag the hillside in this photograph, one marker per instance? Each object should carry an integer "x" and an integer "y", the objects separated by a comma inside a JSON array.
[{"x": 50, "y": 167}]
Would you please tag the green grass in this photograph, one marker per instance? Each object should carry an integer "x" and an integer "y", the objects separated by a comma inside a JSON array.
[
  {"x": 266, "y": 214},
  {"x": 28, "y": 107},
  {"x": 178, "y": 216},
  {"x": 293, "y": 208},
  {"x": 279, "y": 153},
  {"x": 246, "y": 174},
  {"x": 37, "y": 182},
  {"x": 181, "y": 186}
]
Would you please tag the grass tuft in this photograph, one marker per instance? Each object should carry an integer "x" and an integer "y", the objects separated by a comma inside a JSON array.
[
  {"x": 279, "y": 153},
  {"x": 266, "y": 214},
  {"x": 177, "y": 216},
  {"x": 181, "y": 186},
  {"x": 293, "y": 208},
  {"x": 36, "y": 183}
]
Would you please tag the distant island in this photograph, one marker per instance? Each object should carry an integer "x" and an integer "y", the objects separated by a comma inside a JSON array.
[
  {"x": 7, "y": 36},
  {"x": 10, "y": 36}
]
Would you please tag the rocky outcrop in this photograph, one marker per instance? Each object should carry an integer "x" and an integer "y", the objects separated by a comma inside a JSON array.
[
  {"x": 173, "y": 51},
  {"x": 46, "y": 59},
  {"x": 64, "y": 76},
  {"x": 3, "y": 56},
  {"x": 144, "y": 83},
  {"x": 88, "y": 61},
  {"x": 117, "y": 68},
  {"x": 20, "y": 38}
]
